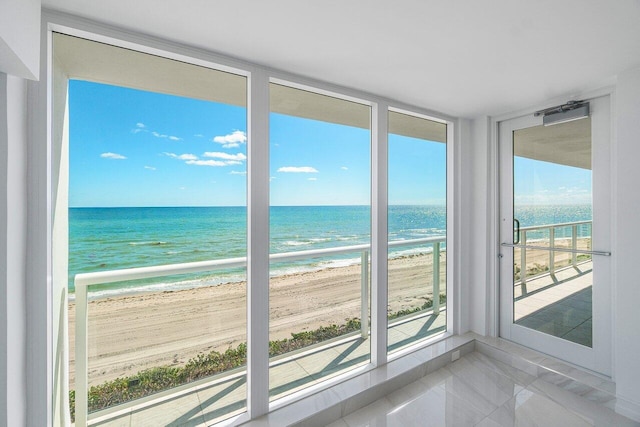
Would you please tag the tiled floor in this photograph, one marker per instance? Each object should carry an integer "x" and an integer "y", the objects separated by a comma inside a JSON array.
[{"x": 477, "y": 390}]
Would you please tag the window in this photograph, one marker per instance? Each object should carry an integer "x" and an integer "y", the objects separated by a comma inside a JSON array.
[
  {"x": 157, "y": 180},
  {"x": 417, "y": 216},
  {"x": 320, "y": 204},
  {"x": 150, "y": 237}
]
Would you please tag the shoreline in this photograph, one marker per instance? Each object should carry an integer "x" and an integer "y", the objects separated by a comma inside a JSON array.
[{"x": 114, "y": 291}]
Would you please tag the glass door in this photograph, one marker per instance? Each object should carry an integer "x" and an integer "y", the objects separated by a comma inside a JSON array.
[{"x": 555, "y": 233}]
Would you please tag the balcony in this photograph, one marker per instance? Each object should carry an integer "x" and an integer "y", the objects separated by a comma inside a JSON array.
[
  {"x": 143, "y": 341},
  {"x": 552, "y": 293}
]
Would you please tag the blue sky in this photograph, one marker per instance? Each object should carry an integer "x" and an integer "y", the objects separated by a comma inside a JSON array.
[
  {"x": 543, "y": 183},
  {"x": 136, "y": 148}
]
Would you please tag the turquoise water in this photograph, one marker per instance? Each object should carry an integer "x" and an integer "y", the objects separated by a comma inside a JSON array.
[{"x": 116, "y": 238}]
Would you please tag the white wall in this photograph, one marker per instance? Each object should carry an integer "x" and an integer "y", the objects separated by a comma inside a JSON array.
[
  {"x": 20, "y": 37},
  {"x": 476, "y": 207},
  {"x": 13, "y": 231},
  {"x": 627, "y": 241}
]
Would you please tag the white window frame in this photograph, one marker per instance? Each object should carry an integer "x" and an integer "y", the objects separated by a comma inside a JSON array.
[{"x": 41, "y": 150}]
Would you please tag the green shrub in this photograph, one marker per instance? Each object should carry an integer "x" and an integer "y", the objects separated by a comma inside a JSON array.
[{"x": 428, "y": 304}]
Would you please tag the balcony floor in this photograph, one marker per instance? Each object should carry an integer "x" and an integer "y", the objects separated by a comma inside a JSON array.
[
  {"x": 558, "y": 304},
  {"x": 205, "y": 404}
]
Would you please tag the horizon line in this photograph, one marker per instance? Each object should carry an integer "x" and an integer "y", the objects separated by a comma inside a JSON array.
[{"x": 244, "y": 206}]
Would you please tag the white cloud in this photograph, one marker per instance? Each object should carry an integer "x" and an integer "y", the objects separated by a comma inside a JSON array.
[
  {"x": 164, "y": 135},
  {"x": 198, "y": 135},
  {"x": 271, "y": 178},
  {"x": 114, "y": 156},
  {"x": 225, "y": 156},
  {"x": 215, "y": 163},
  {"x": 186, "y": 156},
  {"x": 238, "y": 173},
  {"x": 141, "y": 127},
  {"x": 231, "y": 140},
  {"x": 344, "y": 168},
  {"x": 151, "y": 168},
  {"x": 312, "y": 179},
  {"x": 298, "y": 169}
]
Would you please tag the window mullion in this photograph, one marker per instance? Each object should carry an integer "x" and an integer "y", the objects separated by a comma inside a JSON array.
[
  {"x": 258, "y": 244},
  {"x": 379, "y": 235}
]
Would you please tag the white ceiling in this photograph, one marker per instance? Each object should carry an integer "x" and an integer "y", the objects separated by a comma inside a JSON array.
[{"x": 461, "y": 57}]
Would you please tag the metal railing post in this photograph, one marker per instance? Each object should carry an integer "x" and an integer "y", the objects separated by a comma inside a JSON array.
[
  {"x": 364, "y": 297},
  {"x": 574, "y": 244},
  {"x": 523, "y": 262},
  {"x": 81, "y": 377},
  {"x": 436, "y": 278},
  {"x": 552, "y": 254}
]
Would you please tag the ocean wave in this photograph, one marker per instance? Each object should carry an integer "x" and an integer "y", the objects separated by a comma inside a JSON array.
[
  {"x": 296, "y": 243},
  {"x": 156, "y": 243},
  {"x": 346, "y": 238}
]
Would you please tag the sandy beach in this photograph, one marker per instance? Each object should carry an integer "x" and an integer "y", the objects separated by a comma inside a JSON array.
[{"x": 128, "y": 334}]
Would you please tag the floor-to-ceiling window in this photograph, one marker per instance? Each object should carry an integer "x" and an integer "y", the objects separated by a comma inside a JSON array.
[
  {"x": 319, "y": 237},
  {"x": 157, "y": 183},
  {"x": 151, "y": 159},
  {"x": 417, "y": 222}
]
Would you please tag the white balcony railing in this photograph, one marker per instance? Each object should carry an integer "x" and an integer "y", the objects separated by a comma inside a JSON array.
[
  {"x": 550, "y": 229},
  {"x": 84, "y": 280}
]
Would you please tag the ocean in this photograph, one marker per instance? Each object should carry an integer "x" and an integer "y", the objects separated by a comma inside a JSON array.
[{"x": 116, "y": 238}]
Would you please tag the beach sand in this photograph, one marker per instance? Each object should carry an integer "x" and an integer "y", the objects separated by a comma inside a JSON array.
[{"x": 128, "y": 334}]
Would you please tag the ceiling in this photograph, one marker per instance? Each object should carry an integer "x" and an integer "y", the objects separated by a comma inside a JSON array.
[{"x": 465, "y": 58}]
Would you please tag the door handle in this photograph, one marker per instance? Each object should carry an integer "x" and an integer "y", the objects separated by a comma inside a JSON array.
[{"x": 517, "y": 239}]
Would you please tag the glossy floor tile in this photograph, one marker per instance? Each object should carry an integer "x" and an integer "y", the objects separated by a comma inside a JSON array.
[{"x": 479, "y": 390}]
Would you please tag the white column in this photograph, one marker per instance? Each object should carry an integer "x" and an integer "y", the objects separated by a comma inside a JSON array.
[{"x": 13, "y": 232}]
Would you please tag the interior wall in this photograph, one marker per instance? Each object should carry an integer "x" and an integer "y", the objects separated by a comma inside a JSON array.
[
  {"x": 13, "y": 231},
  {"x": 627, "y": 236},
  {"x": 463, "y": 176},
  {"x": 20, "y": 37},
  {"x": 475, "y": 206}
]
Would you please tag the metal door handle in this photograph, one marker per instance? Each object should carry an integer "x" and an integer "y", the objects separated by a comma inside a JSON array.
[
  {"x": 555, "y": 249},
  {"x": 517, "y": 239}
]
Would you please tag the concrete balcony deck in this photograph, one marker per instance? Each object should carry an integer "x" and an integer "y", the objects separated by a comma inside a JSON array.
[{"x": 558, "y": 304}]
